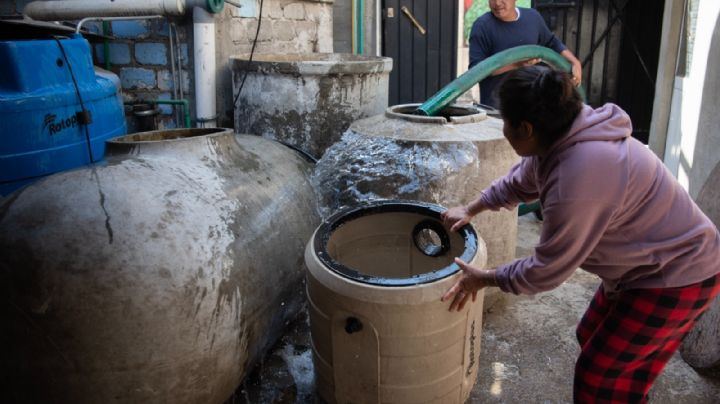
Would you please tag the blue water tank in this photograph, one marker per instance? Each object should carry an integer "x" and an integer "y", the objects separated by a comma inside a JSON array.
[{"x": 55, "y": 111}]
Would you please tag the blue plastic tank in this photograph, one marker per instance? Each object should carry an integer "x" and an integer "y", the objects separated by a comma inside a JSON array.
[{"x": 55, "y": 111}]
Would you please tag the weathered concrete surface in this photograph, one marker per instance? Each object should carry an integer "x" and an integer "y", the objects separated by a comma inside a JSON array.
[
  {"x": 527, "y": 354},
  {"x": 308, "y": 100},
  {"x": 156, "y": 276},
  {"x": 425, "y": 159},
  {"x": 701, "y": 347},
  {"x": 288, "y": 26}
]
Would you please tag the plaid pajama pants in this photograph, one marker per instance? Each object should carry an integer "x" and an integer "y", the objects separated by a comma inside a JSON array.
[{"x": 626, "y": 341}]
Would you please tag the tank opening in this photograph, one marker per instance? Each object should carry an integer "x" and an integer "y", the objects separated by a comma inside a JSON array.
[
  {"x": 169, "y": 134},
  {"x": 306, "y": 57},
  {"x": 447, "y": 112},
  {"x": 431, "y": 238},
  {"x": 392, "y": 244}
]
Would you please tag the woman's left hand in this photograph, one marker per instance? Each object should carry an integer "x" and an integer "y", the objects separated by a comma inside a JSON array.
[
  {"x": 455, "y": 218},
  {"x": 472, "y": 279}
]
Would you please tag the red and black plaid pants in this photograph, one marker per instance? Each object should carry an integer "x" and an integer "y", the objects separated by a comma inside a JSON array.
[{"x": 627, "y": 340}]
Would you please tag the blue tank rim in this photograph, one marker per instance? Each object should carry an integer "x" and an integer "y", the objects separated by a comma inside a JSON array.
[{"x": 431, "y": 211}]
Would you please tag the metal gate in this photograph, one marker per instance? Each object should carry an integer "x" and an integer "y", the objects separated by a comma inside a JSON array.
[
  {"x": 618, "y": 43},
  {"x": 421, "y": 37}
]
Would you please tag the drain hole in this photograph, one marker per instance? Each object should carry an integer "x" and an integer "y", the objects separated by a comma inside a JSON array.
[{"x": 431, "y": 238}]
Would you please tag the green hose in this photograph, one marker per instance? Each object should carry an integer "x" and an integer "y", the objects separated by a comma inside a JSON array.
[
  {"x": 215, "y": 6},
  {"x": 460, "y": 85}
]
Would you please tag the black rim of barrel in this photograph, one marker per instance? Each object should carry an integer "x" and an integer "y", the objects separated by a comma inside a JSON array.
[{"x": 322, "y": 236}]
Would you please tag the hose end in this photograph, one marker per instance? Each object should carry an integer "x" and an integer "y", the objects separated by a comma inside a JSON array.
[{"x": 215, "y": 6}]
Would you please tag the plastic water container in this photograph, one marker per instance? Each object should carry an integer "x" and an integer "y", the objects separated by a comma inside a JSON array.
[
  {"x": 380, "y": 333},
  {"x": 44, "y": 126}
]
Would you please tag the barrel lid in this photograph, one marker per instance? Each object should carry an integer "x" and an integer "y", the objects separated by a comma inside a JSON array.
[{"x": 432, "y": 211}]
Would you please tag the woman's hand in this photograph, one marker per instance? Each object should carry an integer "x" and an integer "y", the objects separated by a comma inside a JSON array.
[
  {"x": 456, "y": 217},
  {"x": 471, "y": 281}
]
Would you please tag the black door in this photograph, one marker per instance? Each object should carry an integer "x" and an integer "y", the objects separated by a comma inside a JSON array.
[
  {"x": 639, "y": 53},
  {"x": 618, "y": 43},
  {"x": 421, "y": 37}
]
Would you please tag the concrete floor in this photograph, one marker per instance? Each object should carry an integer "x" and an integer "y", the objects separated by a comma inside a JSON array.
[{"x": 528, "y": 351}]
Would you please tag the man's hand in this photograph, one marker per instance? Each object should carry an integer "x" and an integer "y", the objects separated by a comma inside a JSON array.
[
  {"x": 577, "y": 74},
  {"x": 456, "y": 217},
  {"x": 471, "y": 280},
  {"x": 576, "y": 66}
]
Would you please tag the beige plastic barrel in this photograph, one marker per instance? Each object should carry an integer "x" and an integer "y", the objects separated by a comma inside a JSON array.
[{"x": 380, "y": 333}]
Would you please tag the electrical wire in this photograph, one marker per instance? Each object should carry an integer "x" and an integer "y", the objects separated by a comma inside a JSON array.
[
  {"x": 82, "y": 105},
  {"x": 252, "y": 52}
]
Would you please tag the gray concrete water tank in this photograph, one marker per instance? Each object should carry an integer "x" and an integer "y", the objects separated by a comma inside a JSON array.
[
  {"x": 156, "y": 277},
  {"x": 701, "y": 346},
  {"x": 380, "y": 333},
  {"x": 445, "y": 159},
  {"x": 307, "y": 100}
]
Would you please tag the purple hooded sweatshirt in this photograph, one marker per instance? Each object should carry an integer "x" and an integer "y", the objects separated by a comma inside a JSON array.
[{"x": 611, "y": 207}]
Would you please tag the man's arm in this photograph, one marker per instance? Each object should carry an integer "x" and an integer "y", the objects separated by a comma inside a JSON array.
[{"x": 516, "y": 65}]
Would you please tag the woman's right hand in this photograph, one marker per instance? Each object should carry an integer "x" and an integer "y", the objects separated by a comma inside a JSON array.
[
  {"x": 471, "y": 280},
  {"x": 456, "y": 217}
]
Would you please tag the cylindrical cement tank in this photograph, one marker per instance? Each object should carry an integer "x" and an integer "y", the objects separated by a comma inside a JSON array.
[
  {"x": 308, "y": 100},
  {"x": 158, "y": 276},
  {"x": 56, "y": 110},
  {"x": 380, "y": 333},
  {"x": 445, "y": 159},
  {"x": 701, "y": 347}
]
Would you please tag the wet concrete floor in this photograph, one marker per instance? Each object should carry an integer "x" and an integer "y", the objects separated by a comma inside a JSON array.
[{"x": 528, "y": 351}]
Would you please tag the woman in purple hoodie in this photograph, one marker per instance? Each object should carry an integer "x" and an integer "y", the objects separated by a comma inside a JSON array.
[{"x": 610, "y": 207}]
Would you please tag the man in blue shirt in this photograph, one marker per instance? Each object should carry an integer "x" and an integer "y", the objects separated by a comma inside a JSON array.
[{"x": 505, "y": 27}]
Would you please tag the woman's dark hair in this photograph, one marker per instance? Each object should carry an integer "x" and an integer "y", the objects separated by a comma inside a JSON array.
[{"x": 544, "y": 97}]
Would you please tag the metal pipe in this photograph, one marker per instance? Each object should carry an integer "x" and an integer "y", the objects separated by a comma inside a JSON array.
[
  {"x": 60, "y": 10},
  {"x": 578, "y": 31},
  {"x": 179, "y": 64},
  {"x": 589, "y": 80},
  {"x": 185, "y": 104},
  {"x": 78, "y": 9},
  {"x": 205, "y": 78},
  {"x": 353, "y": 27},
  {"x": 565, "y": 23},
  {"x": 82, "y": 22},
  {"x": 467, "y": 80},
  {"x": 360, "y": 26},
  {"x": 173, "y": 69},
  {"x": 606, "y": 57}
]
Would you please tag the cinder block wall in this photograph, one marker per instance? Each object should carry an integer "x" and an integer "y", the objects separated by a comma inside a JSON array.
[
  {"x": 139, "y": 52},
  {"x": 287, "y": 26}
]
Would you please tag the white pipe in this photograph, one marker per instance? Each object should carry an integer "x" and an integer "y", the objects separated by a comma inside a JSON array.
[
  {"x": 204, "y": 45},
  {"x": 77, "y": 9}
]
